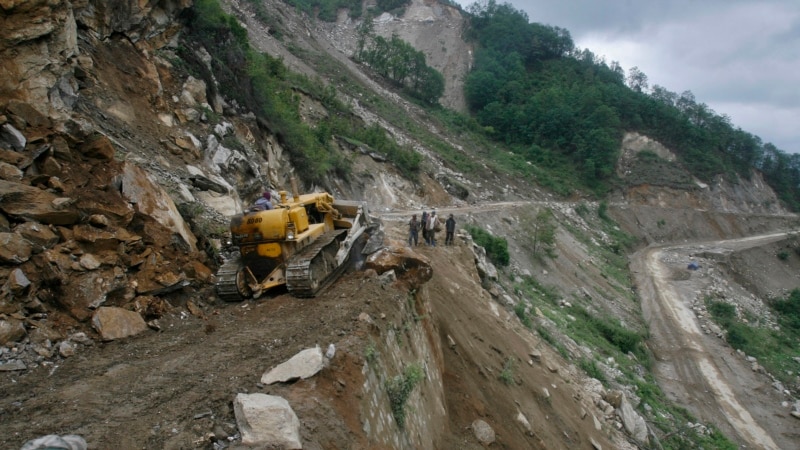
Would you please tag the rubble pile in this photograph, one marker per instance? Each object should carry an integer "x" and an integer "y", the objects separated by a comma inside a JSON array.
[{"x": 89, "y": 244}]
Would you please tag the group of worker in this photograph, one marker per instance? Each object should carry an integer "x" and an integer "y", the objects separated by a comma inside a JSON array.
[{"x": 430, "y": 224}]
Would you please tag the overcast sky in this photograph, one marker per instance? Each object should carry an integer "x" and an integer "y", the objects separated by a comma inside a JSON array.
[{"x": 740, "y": 57}]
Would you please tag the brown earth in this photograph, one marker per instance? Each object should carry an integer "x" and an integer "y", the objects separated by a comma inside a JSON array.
[{"x": 173, "y": 389}]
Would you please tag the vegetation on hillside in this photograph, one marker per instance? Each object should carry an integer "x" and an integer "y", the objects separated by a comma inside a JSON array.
[
  {"x": 775, "y": 348},
  {"x": 399, "y": 62},
  {"x": 564, "y": 108},
  {"x": 496, "y": 247},
  {"x": 262, "y": 84}
]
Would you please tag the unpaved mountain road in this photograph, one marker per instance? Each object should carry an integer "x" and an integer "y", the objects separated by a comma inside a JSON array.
[{"x": 699, "y": 370}]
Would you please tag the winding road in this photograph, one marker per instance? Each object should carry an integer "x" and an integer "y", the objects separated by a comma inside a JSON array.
[{"x": 696, "y": 369}]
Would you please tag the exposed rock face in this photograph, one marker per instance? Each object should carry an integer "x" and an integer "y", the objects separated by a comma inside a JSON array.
[
  {"x": 39, "y": 42},
  {"x": 436, "y": 30},
  {"x": 679, "y": 189},
  {"x": 37, "y": 39}
]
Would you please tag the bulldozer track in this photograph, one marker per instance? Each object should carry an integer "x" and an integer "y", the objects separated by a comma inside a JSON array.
[
  {"x": 315, "y": 266},
  {"x": 227, "y": 284}
]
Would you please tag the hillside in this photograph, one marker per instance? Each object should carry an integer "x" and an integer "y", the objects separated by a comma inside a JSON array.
[{"x": 122, "y": 156}]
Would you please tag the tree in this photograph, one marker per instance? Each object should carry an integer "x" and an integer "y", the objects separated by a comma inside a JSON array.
[
  {"x": 399, "y": 62},
  {"x": 544, "y": 233},
  {"x": 637, "y": 80},
  {"x": 365, "y": 33},
  {"x": 619, "y": 72}
]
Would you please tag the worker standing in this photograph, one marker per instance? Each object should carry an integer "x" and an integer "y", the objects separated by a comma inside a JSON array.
[
  {"x": 424, "y": 226},
  {"x": 413, "y": 230},
  {"x": 433, "y": 223},
  {"x": 449, "y": 228}
]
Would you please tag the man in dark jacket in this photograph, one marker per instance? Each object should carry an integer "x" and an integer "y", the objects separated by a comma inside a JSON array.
[
  {"x": 413, "y": 229},
  {"x": 424, "y": 226},
  {"x": 449, "y": 228}
]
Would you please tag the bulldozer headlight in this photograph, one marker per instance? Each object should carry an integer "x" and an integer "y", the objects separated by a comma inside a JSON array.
[{"x": 290, "y": 235}]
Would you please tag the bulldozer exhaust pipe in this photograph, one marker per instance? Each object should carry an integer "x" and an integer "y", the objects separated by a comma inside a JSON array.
[{"x": 295, "y": 194}]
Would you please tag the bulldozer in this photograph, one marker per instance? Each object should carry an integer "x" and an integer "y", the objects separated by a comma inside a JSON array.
[{"x": 304, "y": 242}]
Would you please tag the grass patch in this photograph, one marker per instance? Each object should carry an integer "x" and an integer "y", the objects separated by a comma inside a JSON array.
[
  {"x": 591, "y": 368},
  {"x": 371, "y": 353},
  {"x": 606, "y": 333},
  {"x": 507, "y": 374},
  {"x": 522, "y": 314},
  {"x": 548, "y": 337},
  {"x": 539, "y": 293},
  {"x": 775, "y": 349}
]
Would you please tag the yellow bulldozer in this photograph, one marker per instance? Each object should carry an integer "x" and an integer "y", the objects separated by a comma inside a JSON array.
[{"x": 303, "y": 242}]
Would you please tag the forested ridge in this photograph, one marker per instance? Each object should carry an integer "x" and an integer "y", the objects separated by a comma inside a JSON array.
[
  {"x": 561, "y": 109},
  {"x": 565, "y": 108}
]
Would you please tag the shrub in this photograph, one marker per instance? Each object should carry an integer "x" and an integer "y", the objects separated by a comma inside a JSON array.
[
  {"x": 507, "y": 374},
  {"x": 582, "y": 210},
  {"x": 590, "y": 367},
  {"x": 399, "y": 389},
  {"x": 723, "y": 313},
  {"x": 519, "y": 310},
  {"x": 789, "y": 310},
  {"x": 496, "y": 247}
]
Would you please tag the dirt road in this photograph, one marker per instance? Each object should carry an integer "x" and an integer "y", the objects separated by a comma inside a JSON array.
[{"x": 699, "y": 370}]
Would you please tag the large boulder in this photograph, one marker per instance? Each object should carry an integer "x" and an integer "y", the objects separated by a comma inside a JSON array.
[
  {"x": 17, "y": 282},
  {"x": 40, "y": 236},
  {"x": 151, "y": 200},
  {"x": 484, "y": 432},
  {"x": 35, "y": 204},
  {"x": 117, "y": 323},
  {"x": 11, "y": 331},
  {"x": 267, "y": 421},
  {"x": 10, "y": 173},
  {"x": 409, "y": 267},
  {"x": 14, "y": 249},
  {"x": 303, "y": 365},
  {"x": 631, "y": 420},
  {"x": 88, "y": 290}
]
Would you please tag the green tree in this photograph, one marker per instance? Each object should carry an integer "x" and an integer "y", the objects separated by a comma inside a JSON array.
[
  {"x": 637, "y": 80},
  {"x": 399, "y": 62},
  {"x": 544, "y": 233}
]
